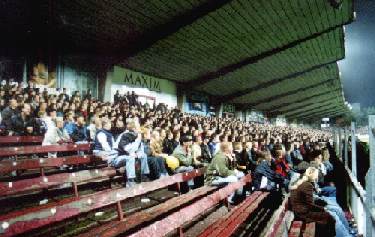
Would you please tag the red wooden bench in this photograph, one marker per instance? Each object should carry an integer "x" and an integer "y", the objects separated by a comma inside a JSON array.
[
  {"x": 283, "y": 224},
  {"x": 229, "y": 224},
  {"x": 32, "y": 218},
  {"x": 177, "y": 219},
  {"x": 28, "y": 150},
  {"x": 118, "y": 227},
  {"x": 15, "y": 163},
  {"x": 45, "y": 182},
  {"x": 8, "y": 166},
  {"x": 299, "y": 228},
  {"x": 20, "y": 140}
]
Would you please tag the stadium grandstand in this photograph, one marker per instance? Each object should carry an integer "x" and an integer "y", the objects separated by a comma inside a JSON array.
[{"x": 180, "y": 118}]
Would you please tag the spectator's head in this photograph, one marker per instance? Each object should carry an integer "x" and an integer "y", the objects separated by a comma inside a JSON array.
[
  {"x": 197, "y": 139},
  {"x": 316, "y": 156},
  {"x": 133, "y": 126},
  {"x": 311, "y": 175},
  {"x": 52, "y": 112},
  {"x": 279, "y": 154},
  {"x": 237, "y": 146},
  {"x": 59, "y": 122},
  {"x": 176, "y": 136},
  {"x": 186, "y": 140},
  {"x": 169, "y": 135},
  {"x": 163, "y": 133},
  {"x": 13, "y": 103},
  {"x": 248, "y": 146},
  {"x": 264, "y": 156},
  {"x": 226, "y": 148},
  {"x": 80, "y": 120},
  {"x": 325, "y": 154},
  {"x": 106, "y": 124},
  {"x": 255, "y": 146},
  {"x": 26, "y": 109}
]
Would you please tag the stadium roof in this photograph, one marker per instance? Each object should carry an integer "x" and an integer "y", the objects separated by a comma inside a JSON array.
[{"x": 278, "y": 56}]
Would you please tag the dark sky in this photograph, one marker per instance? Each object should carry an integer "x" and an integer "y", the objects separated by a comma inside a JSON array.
[{"x": 358, "y": 68}]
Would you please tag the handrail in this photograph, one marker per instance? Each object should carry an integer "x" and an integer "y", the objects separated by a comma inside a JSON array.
[
  {"x": 361, "y": 193},
  {"x": 357, "y": 185}
]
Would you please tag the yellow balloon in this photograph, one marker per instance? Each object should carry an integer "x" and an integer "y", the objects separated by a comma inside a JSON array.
[{"x": 172, "y": 162}]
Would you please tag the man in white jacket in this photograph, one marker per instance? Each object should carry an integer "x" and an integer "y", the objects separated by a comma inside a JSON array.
[{"x": 56, "y": 135}]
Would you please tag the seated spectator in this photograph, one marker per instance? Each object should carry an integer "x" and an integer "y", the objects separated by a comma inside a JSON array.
[
  {"x": 296, "y": 154},
  {"x": 104, "y": 142},
  {"x": 22, "y": 122},
  {"x": 221, "y": 170},
  {"x": 130, "y": 150},
  {"x": 94, "y": 126},
  {"x": 265, "y": 178},
  {"x": 70, "y": 123},
  {"x": 118, "y": 127},
  {"x": 196, "y": 151},
  {"x": 56, "y": 135},
  {"x": 281, "y": 166},
  {"x": 152, "y": 146},
  {"x": 214, "y": 144},
  {"x": 241, "y": 160},
  {"x": 324, "y": 189},
  {"x": 205, "y": 150},
  {"x": 184, "y": 155},
  {"x": 326, "y": 157},
  {"x": 304, "y": 208},
  {"x": 169, "y": 144},
  {"x": 8, "y": 113},
  {"x": 80, "y": 133}
]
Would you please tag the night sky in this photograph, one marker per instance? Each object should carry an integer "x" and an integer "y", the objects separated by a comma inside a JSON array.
[{"x": 358, "y": 68}]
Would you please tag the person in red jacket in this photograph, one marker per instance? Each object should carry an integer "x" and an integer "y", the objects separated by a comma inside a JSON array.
[{"x": 281, "y": 166}]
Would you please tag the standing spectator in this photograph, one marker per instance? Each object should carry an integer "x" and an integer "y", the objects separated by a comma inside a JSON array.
[
  {"x": 116, "y": 97},
  {"x": 65, "y": 95}
]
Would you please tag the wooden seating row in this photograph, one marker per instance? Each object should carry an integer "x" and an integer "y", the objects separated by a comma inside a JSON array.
[
  {"x": 8, "y": 166},
  {"x": 177, "y": 219},
  {"x": 39, "y": 149},
  {"x": 283, "y": 224},
  {"x": 29, "y": 219},
  {"x": 46, "y": 182},
  {"x": 228, "y": 224},
  {"x": 20, "y": 140},
  {"x": 172, "y": 211}
]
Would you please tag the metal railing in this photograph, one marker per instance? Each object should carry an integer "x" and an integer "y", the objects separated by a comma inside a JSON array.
[{"x": 360, "y": 200}]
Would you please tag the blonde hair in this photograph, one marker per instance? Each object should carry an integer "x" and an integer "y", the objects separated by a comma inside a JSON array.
[
  {"x": 237, "y": 145},
  {"x": 225, "y": 146},
  {"x": 309, "y": 175}
]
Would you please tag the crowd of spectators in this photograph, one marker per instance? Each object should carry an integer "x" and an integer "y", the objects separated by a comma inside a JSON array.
[{"x": 166, "y": 141}]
